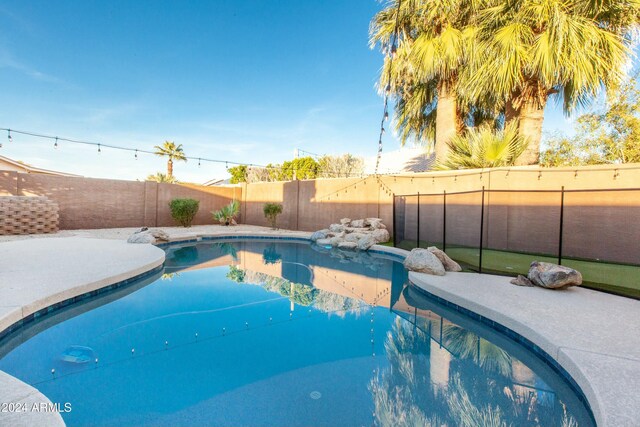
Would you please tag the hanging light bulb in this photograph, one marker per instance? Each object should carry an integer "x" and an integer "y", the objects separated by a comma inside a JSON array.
[
  {"x": 394, "y": 51},
  {"x": 226, "y": 165},
  {"x": 387, "y": 90},
  {"x": 9, "y": 135},
  {"x": 99, "y": 150},
  {"x": 386, "y": 115},
  {"x": 382, "y": 130},
  {"x": 198, "y": 162},
  {"x": 55, "y": 144},
  {"x": 136, "y": 154}
]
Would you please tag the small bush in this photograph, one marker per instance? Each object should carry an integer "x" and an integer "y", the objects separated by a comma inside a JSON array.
[
  {"x": 227, "y": 214},
  {"x": 271, "y": 211},
  {"x": 184, "y": 210}
]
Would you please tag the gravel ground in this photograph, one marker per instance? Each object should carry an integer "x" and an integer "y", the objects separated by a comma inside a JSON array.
[{"x": 124, "y": 233}]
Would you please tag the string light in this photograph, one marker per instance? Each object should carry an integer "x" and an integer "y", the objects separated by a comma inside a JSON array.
[
  {"x": 55, "y": 144},
  {"x": 137, "y": 151},
  {"x": 199, "y": 162},
  {"x": 387, "y": 92}
]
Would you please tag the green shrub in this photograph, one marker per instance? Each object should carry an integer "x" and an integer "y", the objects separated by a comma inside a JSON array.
[
  {"x": 184, "y": 210},
  {"x": 271, "y": 211},
  {"x": 226, "y": 215}
]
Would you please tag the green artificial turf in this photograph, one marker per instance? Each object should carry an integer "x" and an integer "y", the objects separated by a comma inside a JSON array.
[{"x": 617, "y": 278}]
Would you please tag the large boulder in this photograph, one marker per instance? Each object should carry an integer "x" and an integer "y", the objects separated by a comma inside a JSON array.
[
  {"x": 374, "y": 223},
  {"x": 552, "y": 276},
  {"x": 320, "y": 234},
  {"x": 345, "y": 221},
  {"x": 160, "y": 235},
  {"x": 347, "y": 245},
  {"x": 366, "y": 242},
  {"x": 423, "y": 261},
  {"x": 323, "y": 242},
  {"x": 353, "y": 237},
  {"x": 381, "y": 235},
  {"x": 357, "y": 223},
  {"x": 335, "y": 241},
  {"x": 336, "y": 228},
  {"x": 141, "y": 237},
  {"x": 447, "y": 262}
]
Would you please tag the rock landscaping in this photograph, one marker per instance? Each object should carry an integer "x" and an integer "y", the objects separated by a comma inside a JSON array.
[
  {"x": 144, "y": 235},
  {"x": 350, "y": 234},
  {"x": 431, "y": 261},
  {"x": 550, "y": 276}
]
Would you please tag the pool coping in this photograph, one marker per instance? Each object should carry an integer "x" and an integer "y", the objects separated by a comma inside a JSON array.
[{"x": 570, "y": 368}]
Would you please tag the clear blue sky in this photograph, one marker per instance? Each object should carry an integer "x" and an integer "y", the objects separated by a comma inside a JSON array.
[{"x": 243, "y": 80}]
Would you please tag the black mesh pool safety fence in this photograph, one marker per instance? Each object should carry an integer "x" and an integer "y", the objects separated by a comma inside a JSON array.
[{"x": 596, "y": 232}]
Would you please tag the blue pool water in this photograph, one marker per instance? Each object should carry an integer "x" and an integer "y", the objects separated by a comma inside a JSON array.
[{"x": 276, "y": 333}]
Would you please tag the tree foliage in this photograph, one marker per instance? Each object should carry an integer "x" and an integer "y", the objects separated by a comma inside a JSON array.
[
  {"x": 608, "y": 135},
  {"x": 160, "y": 177},
  {"x": 345, "y": 165},
  {"x": 499, "y": 59},
  {"x": 483, "y": 147},
  {"x": 172, "y": 152}
]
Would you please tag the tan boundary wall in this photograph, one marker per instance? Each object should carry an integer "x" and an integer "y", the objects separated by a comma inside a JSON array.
[
  {"x": 87, "y": 203},
  {"x": 597, "y": 224},
  {"x": 602, "y": 225}
]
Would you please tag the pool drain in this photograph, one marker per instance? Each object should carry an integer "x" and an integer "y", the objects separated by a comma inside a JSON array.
[{"x": 315, "y": 395}]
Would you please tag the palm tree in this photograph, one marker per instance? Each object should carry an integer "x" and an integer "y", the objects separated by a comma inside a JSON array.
[
  {"x": 160, "y": 177},
  {"x": 483, "y": 147},
  {"x": 435, "y": 39},
  {"x": 531, "y": 50},
  {"x": 173, "y": 152}
]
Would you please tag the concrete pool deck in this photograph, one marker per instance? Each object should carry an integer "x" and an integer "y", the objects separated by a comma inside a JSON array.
[{"x": 594, "y": 336}]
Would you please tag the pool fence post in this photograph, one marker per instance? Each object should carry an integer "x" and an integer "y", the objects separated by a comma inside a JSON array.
[
  {"x": 394, "y": 222},
  {"x": 444, "y": 221},
  {"x": 561, "y": 226},
  {"x": 418, "y": 224},
  {"x": 481, "y": 230}
]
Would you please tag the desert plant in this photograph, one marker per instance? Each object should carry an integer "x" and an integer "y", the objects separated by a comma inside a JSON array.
[
  {"x": 271, "y": 211},
  {"x": 184, "y": 210},
  {"x": 226, "y": 215}
]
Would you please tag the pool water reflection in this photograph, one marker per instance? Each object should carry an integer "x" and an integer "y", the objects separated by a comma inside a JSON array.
[{"x": 283, "y": 333}]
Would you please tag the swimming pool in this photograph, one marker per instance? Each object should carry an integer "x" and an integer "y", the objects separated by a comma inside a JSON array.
[{"x": 282, "y": 333}]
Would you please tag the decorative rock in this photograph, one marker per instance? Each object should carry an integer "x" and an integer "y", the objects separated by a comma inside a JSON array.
[
  {"x": 142, "y": 237},
  {"x": 366, "y": 242},
  {"x": 318, "y": 235},
  {"x": 363, "y": 230},
  {"x": 521, "y": 281},
  {"x": 357, "y": 223},
  {"x": 336, "y": 228},
  {"x": 160, "y": 235},
  {"x": 447, "y": 262},
  {"x": 423, "y": 261},
  {"x": 348, "y": 245},
  {"x": 380, "y": 235},
  {"x": 374, "y": 223},
  {"x": 353, "y": 237},
  {"x": 335, "y": 241},
  {"x": 552, "y": 276}
]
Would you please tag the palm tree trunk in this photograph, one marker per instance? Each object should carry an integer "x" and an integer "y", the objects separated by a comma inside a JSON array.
[
  {"x": 170, "y": 168},
  {"x": 530, "y": 117},
  {"x": 446, "y": 121}
]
